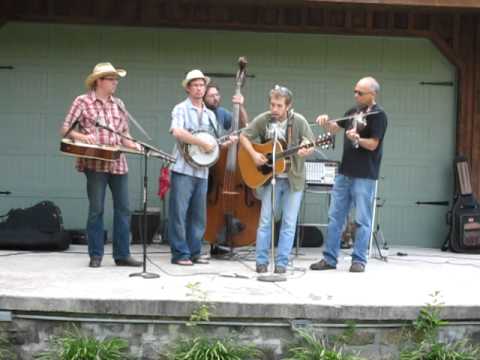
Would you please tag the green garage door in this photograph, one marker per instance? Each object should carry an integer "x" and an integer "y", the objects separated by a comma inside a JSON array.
[{"x": 49, "y": 63}]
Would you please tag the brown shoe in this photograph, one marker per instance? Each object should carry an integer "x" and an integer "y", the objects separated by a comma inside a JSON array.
[
  {"x": 322, "y": 265},
  {"x": 200, "y": 259},
  {"x": 357, "y": 267},
  {"x": 129, "y": 261},
  {"x": 262, "y": 268},
  {"x": 95, "y": 261},
  {"x": 280, "y": 269}
]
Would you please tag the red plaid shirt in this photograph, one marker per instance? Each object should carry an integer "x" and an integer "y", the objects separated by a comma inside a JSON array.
[{"x": 88, "y": 110}]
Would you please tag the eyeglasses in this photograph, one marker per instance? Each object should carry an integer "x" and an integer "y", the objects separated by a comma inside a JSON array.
[{"x": 360, "y": 93}]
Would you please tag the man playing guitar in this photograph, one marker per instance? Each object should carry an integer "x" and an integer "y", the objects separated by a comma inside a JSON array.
[
  {"x": 98, "y": 106},
  {"x": 293, "y": 129}
]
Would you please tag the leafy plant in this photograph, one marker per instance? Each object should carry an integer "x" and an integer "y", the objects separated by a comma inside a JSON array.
[
  {"x": 311, "y": 348},
  {"x": 428, "y": 322},
  {"x": 438, "y": 351},
  {"x": 347, "y": 335},
  {"x": 203, "y": 348},
  {"x": 203, "y": 311},
  {"x": 6, "y": 352},
  {"x": 425, "y": 334},
  {"x": 77, "y": 346}
]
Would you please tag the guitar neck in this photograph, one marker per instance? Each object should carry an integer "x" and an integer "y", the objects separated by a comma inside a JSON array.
[{"x": 293, "y": 150}]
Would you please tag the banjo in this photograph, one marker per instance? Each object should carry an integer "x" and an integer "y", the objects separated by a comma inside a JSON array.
[{"x": 195, "y": 156}]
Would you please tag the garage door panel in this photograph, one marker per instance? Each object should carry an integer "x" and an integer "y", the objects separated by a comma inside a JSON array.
[
  {"x": 75, "y": 44},
  {"x": 411, "y": 57},
  {"x": 52, "y": 61},
  {"x": 360, "y": 55}
]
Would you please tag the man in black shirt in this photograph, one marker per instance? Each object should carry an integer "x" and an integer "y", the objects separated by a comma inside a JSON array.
[{"x": 358, "y": 173}]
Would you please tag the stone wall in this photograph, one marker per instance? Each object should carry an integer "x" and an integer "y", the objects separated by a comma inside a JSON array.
[{"x": 147, "y": 341}]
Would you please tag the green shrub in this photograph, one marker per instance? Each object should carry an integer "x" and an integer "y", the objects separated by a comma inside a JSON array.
[
  {"x": 439, "y": 351},
  {"x": 311, "y": 348},
  {"x": 6, "y": 352},
  {"x": 426, "y": 346},
  {"x": 203, "y": 348},
  {"x": 77, "y": 346}
]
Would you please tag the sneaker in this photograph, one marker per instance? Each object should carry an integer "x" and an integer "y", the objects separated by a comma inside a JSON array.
[
  {"x": 280, "y": 269},
  {"x": 200, "y": 259},
  {"x": 322, "y": 265},
  {"x": 262, "y": 268},
  {"x": 357, "y": 267}
]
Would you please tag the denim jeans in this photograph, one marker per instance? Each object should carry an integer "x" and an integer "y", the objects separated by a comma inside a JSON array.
[
  {"x": 350, "y": 192},
  {"x": 187, "y": 215},
  {"x": 96, "y": 185},
  {"x": 286, "y": 202}
]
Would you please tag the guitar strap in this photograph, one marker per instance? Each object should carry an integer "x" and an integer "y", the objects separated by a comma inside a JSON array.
[
  {"x": 289, "y": 128},
  {"x": 214, "y": 128}
]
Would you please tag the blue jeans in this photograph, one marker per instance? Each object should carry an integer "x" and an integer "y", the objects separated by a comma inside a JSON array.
[
  {"x": 288, "y": 203},
  {"x": 350, "y": 192},
  {"x": 96, "y": 185},
  {"x": 187, "y": 215}
]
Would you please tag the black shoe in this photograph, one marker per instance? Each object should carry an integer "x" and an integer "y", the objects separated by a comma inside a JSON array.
[
  {"x": 262, "y": 268},
  {"x": 357, "y": 267},
  {"x": 95, "y": 261},
  {"x": 216, "y": 250},
  {"x": 322, "y": 265},
  {"x": 129, "y": 261},
  {"x": 280, "y": 269}
]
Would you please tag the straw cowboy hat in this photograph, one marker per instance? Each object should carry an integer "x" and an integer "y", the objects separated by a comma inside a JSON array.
[
  {"x": 193, "y": 75},
  {"x": 101, "y": 70}
]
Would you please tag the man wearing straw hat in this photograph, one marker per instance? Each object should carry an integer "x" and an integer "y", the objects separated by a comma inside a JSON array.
[
  {"x": 98, "y": 106},
  {"x": 188, "y": 203}
]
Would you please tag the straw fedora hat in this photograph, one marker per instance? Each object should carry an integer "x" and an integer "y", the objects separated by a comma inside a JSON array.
[
  {"x": 192, "y": 75},
  {"x": 101, "y": 70}
]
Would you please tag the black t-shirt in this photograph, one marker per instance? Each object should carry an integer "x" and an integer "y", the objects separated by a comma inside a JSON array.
[{"x": 360, "y": 162}]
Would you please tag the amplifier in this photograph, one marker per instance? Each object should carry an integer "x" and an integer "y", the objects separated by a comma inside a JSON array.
[
  {"x": 136, "y": 226},
  {"x": 320, "y": 172}
]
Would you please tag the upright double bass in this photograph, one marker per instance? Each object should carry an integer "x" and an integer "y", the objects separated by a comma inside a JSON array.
[{"x": 233, "y": 211}]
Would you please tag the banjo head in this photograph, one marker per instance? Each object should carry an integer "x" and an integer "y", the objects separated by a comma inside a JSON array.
[{"x": 195, "y": 156}]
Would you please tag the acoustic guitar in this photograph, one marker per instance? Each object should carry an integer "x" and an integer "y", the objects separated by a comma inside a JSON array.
[
  {"x": 255, "y": 176},
  {"x": 104, "y": 152}
]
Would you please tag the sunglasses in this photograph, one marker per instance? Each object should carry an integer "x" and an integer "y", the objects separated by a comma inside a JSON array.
[{"x": 360, "y": 93}]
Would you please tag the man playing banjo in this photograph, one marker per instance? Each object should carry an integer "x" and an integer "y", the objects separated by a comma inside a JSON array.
[{"x": 191, "y": 124}]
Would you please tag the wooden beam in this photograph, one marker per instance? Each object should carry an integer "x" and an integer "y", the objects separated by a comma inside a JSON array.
[{"x": 465, "y": 4}]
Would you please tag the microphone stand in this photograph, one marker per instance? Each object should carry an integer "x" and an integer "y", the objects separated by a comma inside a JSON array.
[
  {"x": 272, "y": 277},
  {"x": 147, "y": 149}
]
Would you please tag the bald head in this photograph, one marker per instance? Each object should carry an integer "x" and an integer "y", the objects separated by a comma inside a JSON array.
[
  {"x": 366, "y": 90},
  {"x": 370, "y": 83}
]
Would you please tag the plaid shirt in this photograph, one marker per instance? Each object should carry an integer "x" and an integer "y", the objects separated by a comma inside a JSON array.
[{"x": 88, "y": 110}]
